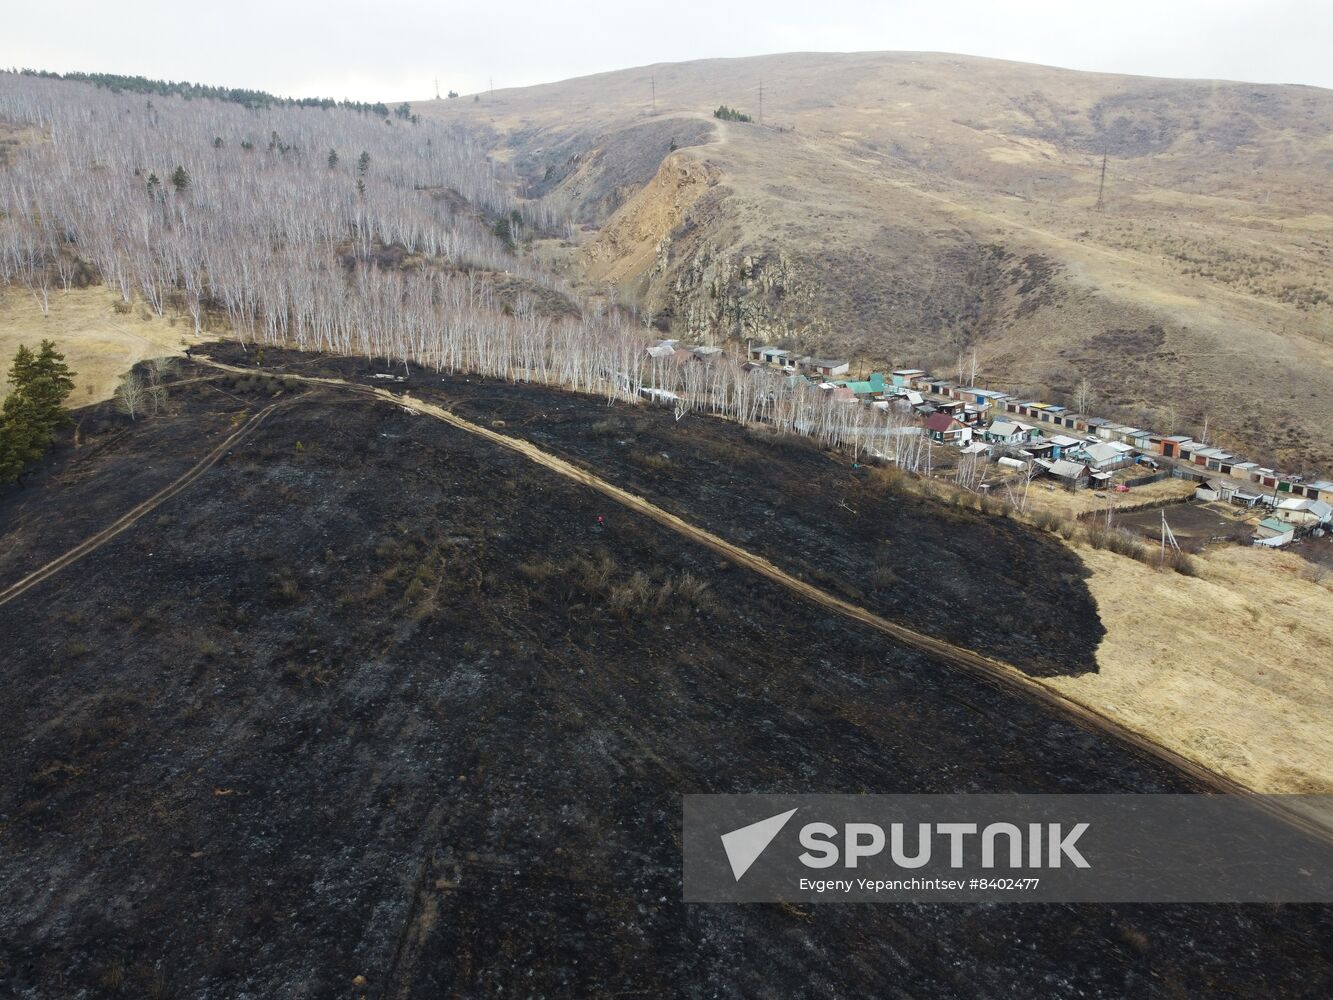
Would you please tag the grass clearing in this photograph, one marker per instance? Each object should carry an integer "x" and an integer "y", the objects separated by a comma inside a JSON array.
[{"x": 99, "y": 343}]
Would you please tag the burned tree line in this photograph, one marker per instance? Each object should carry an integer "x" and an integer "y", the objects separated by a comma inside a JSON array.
[{"x": 280, "y": 218}]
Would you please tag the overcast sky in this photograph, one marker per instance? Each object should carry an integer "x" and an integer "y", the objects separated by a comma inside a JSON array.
[{"x": 396, "y": 48}]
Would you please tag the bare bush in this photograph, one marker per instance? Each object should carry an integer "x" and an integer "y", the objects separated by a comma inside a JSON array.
[{"x": 131, "y": 394}]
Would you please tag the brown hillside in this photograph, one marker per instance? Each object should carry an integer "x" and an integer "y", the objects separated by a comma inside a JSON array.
[{"x": 904, "y": 207}]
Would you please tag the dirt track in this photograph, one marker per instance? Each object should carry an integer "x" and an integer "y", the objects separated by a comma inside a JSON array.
[
  {"x": 225, "y": 707},
  {"x": 96, "y": 541},
  {"x": 987, "y": 668}
]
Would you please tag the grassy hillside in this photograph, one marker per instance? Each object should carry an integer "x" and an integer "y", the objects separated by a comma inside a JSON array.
[{"x": 906, "y": 207}]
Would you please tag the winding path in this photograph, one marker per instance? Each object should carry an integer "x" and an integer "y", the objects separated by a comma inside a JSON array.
[{"x": 985, "y": 668}]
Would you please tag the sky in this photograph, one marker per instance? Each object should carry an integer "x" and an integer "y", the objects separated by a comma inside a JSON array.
[{"x": 396, "y": 49}]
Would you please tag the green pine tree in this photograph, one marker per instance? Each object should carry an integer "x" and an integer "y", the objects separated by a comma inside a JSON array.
[
  {"x": 22, "y": 437},
  {"x": 34, "y": 408},
  {"x": 49, "y": 384},
  {"x": 180, "y": 179}
]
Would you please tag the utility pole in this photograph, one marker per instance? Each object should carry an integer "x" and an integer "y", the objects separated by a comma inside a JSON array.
[
  {"x": 1168, "y": 536},
  {"x": 654, "y": 82},
  {"x": 1101, "y": 187},
  {"x": 761, "y": 100}
]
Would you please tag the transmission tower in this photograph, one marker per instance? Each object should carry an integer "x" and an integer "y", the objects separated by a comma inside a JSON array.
[
  {"x": 654, "y": 82},
  {"x": 437, "y": 88},
  {"x": 761, "y": 100},
  {"x": 1101, "y": 187}
]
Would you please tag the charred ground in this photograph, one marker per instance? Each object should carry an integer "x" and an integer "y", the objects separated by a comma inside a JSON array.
[
  {"x": 984, "y": 582},
  {"x": 375, "y": 698}
]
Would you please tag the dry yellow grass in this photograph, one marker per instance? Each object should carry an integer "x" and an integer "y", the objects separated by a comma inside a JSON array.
[
  {"x": 1230, "y": 669},
  {"x": 1044, "y": 497},
  {"x": 878, "y": 176},
  {"x": 99, "y": 344}
]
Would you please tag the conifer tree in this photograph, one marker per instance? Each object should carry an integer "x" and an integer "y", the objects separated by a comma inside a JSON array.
[{"x": 34, "y": 407}]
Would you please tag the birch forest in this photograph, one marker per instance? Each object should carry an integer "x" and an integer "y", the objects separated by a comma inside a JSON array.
[{"x": 351, "y": 232}]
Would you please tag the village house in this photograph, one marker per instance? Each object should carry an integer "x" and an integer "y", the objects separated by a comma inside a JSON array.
[
  {"x": 947, "y": 429},
  {"x": 1105, "y": 456},
  {"x": 1070, "y": 474},
  {"x": 1215, "y": 489},
  {"x": 1304, "y": 513},
  {"x": 1061, "y": 443},
  {"x": 1010, "y": 432},
  {"x": 1272, "y": 533},
  {"x": 869, "y": 389}
]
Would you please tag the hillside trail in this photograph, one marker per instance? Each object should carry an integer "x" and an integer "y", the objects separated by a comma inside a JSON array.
[
  {"x": 988, "y": 669},
  {"x": 95, "y": 541}
]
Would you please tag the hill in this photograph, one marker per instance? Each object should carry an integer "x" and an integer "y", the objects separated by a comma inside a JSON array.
[
  {"x": 382, "y": 724},
  {"x": 906, "y": 208}
]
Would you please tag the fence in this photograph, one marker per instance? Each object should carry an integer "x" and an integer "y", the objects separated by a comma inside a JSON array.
[{"x": 1156, "y": 477}]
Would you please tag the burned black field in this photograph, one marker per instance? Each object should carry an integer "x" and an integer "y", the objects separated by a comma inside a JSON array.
[
  {"x": 374, "y": 698},
  {"x": 983, "y": 582}
]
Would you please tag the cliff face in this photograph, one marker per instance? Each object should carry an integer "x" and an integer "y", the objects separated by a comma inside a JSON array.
[{"x": 711, "y": 293}]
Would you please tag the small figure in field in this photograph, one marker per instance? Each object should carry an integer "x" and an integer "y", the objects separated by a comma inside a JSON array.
[{"x": 600, "y": 522}]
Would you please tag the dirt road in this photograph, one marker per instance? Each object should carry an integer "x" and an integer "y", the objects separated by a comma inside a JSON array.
[
  {"x": 984, "y": 667},
  {"x": 126, "y": 520},
  {"x": 988, "y": 669}
]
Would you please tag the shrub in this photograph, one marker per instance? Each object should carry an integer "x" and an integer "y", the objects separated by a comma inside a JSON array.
[
  {"x": 1115, "y": 540},
  {"x": 654, "y": 460},
  {"x": 537, "y": 570},
  {"x": 1046, "y": 520},
  {"x": 1181, "y": 562},
  {"x": 889, "y": 479},
  {"x": 633, "y": 595},
  {"x": 691, "y": 588}
]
